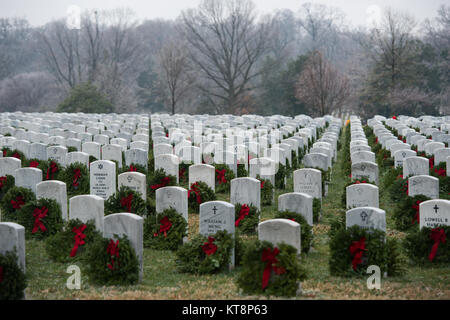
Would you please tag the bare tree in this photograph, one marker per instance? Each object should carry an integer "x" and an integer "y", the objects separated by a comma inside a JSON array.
[
  {"x": 321, "y": 86},
  {"x": 225, "y": 44}
]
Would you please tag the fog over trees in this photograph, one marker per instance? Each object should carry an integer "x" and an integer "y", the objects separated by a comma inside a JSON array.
[{"x": 224, "y": 57}]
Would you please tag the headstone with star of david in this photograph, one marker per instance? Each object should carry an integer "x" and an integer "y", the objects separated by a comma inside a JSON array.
[{"x": 103, "y": 178}]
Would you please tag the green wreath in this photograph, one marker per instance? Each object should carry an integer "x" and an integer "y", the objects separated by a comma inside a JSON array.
[
  {"x": 6, "y": 183},
  {"x": 279, "y": 177},
  {"x": 125, "y": 200},
  {"x": 52, "y": 171},
  {"x": 183, "y": 171},
  {"x": 241, "y": 172},
  {"x": 247, "y": 223},
  {"x": 36, "y": 227},
  {"x": 266, "y": 191},
  {"x": 223, "y": 185},
  {"x": 158, "y": 179},
  {"x": 385, "y": 254},
  {"x": 165, "y": 231},
  {"x": 71, "y": 149},
  {"x": 418, "y": 245},
  {"x": 305, "y": 229},
  {"x": 406, "y": 213},
  {"x": 5, "y": 151},
  {"x": 12, "y": 278},
  {"x": 317, "y": 208},
  {"x": 35, "y": 163},
  {"x": 133, "y": 167},
  {"x": 295, "y": 164},
  {"x": 205, "y": 255},
  {"x": 398, "y": 191},
  {"x": 199, "y": 193},
  {"x": 60, "y": 246},
  {"x": 440, "y": 172},
  {"x": 14, "y": 200},
  {"x": 107, "y": 267},
  {"x": 16, "y": 154},
  {"x": 76, "y": 177},
  {"x": 283, "y": 282}
]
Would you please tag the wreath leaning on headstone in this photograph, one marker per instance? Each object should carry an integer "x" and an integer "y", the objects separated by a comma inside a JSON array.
[
  {"x": 353, "y": 249},
  {"x": 14, "y": 200},
  {"x": 52, "y": 170},
  {"x": 71, "y": 244},
  {"x": 6, "y": 183},
  {"x": 205, "y": 255},
  {"x": 406, "y": 213},
  {"x": 364, "y": 179},
  {"x": 198, "y": 193},
  {"x": 158, "y": 179},
  {"x": 76, "y": 177},
  {"x": 35, "y": 163},
  {"x": 12, "y": 278},
  {"x": 165, "y": 230},
  {"x": 133, "y": 167},
  {"x": 428, "y": 246},
  {"x": 270, "y": 270},
  {"x": 305, "y": 229},
  {"x": 266, "y": 191},
  {"x": 112, "y": 262},
  {"x": 246, "y": 218},
  {"x": 317, "y": 207},
  {"x": 126, "y": 200},
  {"x": 41, "y": 218},
  {"x": 224, "y": 175},
  {"x": 16, "y": 154}
]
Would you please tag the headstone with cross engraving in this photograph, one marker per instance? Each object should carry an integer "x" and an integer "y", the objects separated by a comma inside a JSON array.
[
  {"x": 366, "y": 217},
  {"x": 434, "y": 213},
  {"x": 365, "y": 169},
  {"x": 103, "y": 178}
]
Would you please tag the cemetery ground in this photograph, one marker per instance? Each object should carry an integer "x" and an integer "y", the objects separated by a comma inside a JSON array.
[{"x": 161, "y": 280}]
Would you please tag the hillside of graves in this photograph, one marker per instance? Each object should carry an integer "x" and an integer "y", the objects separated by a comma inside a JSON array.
[{"x": 158, "y": 206}]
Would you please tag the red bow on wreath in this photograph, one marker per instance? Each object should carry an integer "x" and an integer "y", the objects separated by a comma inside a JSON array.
[
  {"x": 376, "y": 140},
  {"x": 221, "y": 176},
  {"x": 245, "y": 210},
  {"x": 132, "y": 169},
  {"x": 34, "y": 164},
  {"x": 76, "y": 176},
  {"x": 165, "y": 226},
  {"x": 417, "y": 215},
  {"x": 431, "y": 162},
  {"x": 269, "y": 256},
  {"x": 18, "y": 203},
  {"x": 209, "y": 247},
  {"x": 39, "y": 214},
  {"x": 195, "y": 190},
  {"x": 438, "y": 236},
  {"x": 125, "y": 202},
  {"x": 358, "y": 182},
  {"x": 441, "y": 172},
  {"x": 262, "y": 184},
  {"x": 2, "y": 182},
  {"x": 52, "y": 169},
  {"x": 79, "y": 239},
  {"x": 357, "y": 249},
  {"x": 16, "y": 155},
  {"x": 4, "y": 153},
  {"x": 165, "y": 181},
  {"x": 181, "y": 172},
  {"x": 113, "y": 251}
]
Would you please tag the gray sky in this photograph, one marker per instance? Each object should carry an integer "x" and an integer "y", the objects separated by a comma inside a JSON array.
[{"x": 358, "y": 12}]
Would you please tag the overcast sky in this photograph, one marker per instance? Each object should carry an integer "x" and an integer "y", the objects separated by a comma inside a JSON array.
[{"x": 358, "y": 12}]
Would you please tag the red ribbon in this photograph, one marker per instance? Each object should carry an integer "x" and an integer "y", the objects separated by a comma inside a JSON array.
[
  {"x": 438, "y": 236},
  {"x": 376, "y": 140},
  {"x": 221, "y": 176},
  {"x": 79, "y": 239},
  {"x": 358, "y": 182},
  {"x": 1, "y": 274},
  {"x": 394, "y": 117},
  {"x": 18, "y": 203},
  {"x": 76, "y": 176},
  {"x": 2, "y": 182},
  {"x": 34, "y": 164},
  {"x": 52, "y": 169},
  {"x": 209, "y": 247},
  {"x": 431, "y": 162},
  {"x": 125, "y": 202},
  {"x": 417, "y": 216},
  {"x": 357, "y": 249},
  {"x": 181, "y": 172},
  {"x": 196, "y": 191},
  {"x": 245, "y": 210},
  {"x": 16, "y": 155},
  {"x": 165, "y": 225},
  {"x": 4, "y": 153},
  {"x": 262, "y": 184},
  {"x": 132, "y": 168},
  {"x": 269, "y": 256},
  {"x": 165, "y": 181},
  {"x": 441, "y": 172},
  {"x": 38, "y": 215},
  {"x": 113, "y": 251}
]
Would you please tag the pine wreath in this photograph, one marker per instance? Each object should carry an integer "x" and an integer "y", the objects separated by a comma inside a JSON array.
[
  {"x": 14, "y": 200},
  {"x": 6, "y": 183},
  {"x": 246, "y": 218},
  {"x": 398, "y": 191},
  {"x": 205, "y": 255},
  {"x": 158, "y": 179},
  {"x": 440, "y": 172},
  {"x": 406, "y": 213},
  {"x": 16, "y": 154},
  {"x": 71, "y": 243},
  {"x": 5, "y": 151},
  {"x": 266, "y": 191},
  {"x": 223, "y": 177},
  {"x": 76, "y": 177},
  {"x": 52, "y": 171},
  {"x": 270, "y": 270},
  {"x": 279, "y": 177},
  {"x": 41, "y": 218},
  {"x": 125, "y": 200},
  {"x": 183, "y": 170},
  {"x": 353, "y": 249},
  {"x": 133, "y": 167},
  {"x": 317, "y": 207},
  {"x": 12, "y": 278},
  {"x": 71, "y": 149},
  {"x": 419, "y": 245},
  {"x": 305, "y": 229},
  {"x": 112, "y": 262},
  {"x": 165, "y": 231},
  {"x": 199, "y": 193},
  {"x": 241, "y": 172},
  {"x": 35, "y": 163}
]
